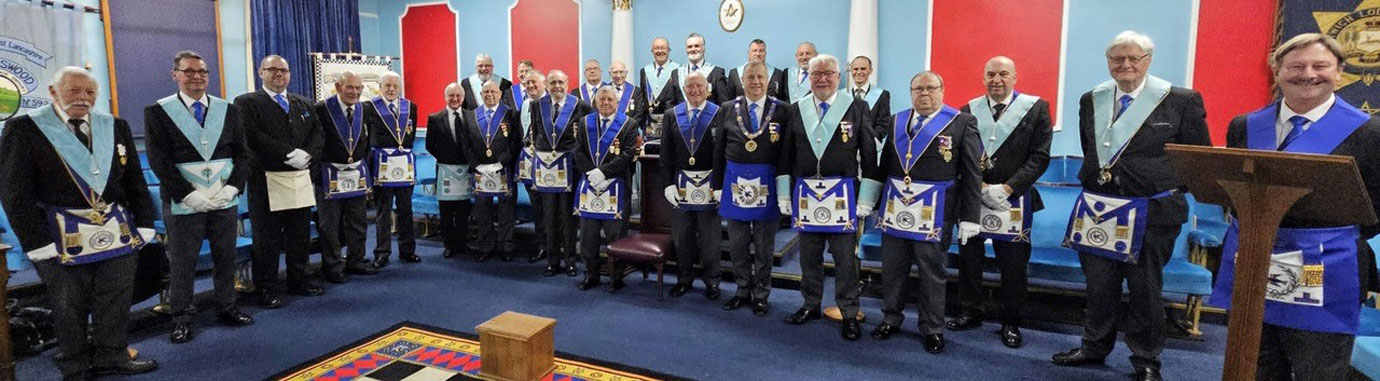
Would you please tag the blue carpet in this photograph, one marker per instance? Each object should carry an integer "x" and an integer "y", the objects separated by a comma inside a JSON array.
[{"x": 688, "y": 336}]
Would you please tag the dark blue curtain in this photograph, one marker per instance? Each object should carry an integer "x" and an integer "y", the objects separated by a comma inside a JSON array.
[{"x": 295, "y": 28}]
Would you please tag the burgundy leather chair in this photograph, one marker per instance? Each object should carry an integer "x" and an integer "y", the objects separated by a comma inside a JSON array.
[{"x": 651, "y": 246}]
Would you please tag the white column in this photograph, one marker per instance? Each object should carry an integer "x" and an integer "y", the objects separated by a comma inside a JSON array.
[
  {"x": 622, "y": 44},
  {"x": 862, "y": 35}
]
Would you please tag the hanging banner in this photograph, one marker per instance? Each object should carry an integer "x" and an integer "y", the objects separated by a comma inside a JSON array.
[{"x": 34, "y": 43}]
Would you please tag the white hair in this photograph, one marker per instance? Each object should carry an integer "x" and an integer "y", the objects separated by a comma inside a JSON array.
[
  {"x": 390, "y": 74},
  {"x": 60, "y": 77},
  {"x": 1133, "y": 38},
  {"x": 491, "y": 81},
  {"x": 481, "y": 57},
  {"x": 824, "y": 59},
  {"x": 605, "y": 89},
  {"x": 696, "y": 74}
]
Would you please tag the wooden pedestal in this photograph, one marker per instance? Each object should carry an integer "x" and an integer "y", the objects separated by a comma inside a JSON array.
[{"x": 516, "y": 347}]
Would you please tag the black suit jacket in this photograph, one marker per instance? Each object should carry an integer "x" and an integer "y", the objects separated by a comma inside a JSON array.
[
  {"x": 841, "y": 158},
  {"x": 506, "y": 143},
  {"x": 776, "y": 84},
  {"x": 380, "y": 136},
  {"x": 472, "y": 98},
  {"x": 718, "y": 82},
  {"x": 33, "y": 175},
  {"x": 675, "y": 155},
  {"x": 881, "y": 114},
  {"x": 618, "y": 165},
  {"x": 654, "y": 106},
  {"x": 578, "y": 90},
  {"x": 732, "y": 138},
  {"x": 273, "y": 133},
  {"x": 167, "y": 147},
  {"x": 1025, "y": 154},
  {"x": 334, "y": 148},
  {"x": 962, "y": 200},
  {"x": 1144, "y": 168},
  {"x": 568, "y": 139},
  {"x": 444, "y": 145}
]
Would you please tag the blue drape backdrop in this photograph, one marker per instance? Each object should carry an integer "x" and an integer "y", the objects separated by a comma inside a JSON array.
[{"x": 295, "y": 28}]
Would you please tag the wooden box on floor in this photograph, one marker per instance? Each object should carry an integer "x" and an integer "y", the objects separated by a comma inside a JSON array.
[{"x": 516, "y": 346}]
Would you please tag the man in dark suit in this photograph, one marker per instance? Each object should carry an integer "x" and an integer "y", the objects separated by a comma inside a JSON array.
[
  {"x": 628, "y": 101},
  {"x": 283, "y": 138},
  {"x": 776, "y": 83},
  {"x": 393, "y": 162},
  {"x": 1123, "y": 125},
  {"x": 933, "y": 151},
  {"x": 555, "y": 138},
  {"x": 878, "y": 99},
  {"x": 604, "y": 157},
  {"x": 196, "y": 146},
  {"x": 343, "y": 178},
  {"x": 520, "y": 95},
  {"x": 652, "y": 85},
  {"x": 828, "y": 149},
  {"x": 694, "y": 53},
  {"x": 1014, "y": 130},
  {"x": 1303, "y": 335},
  {"x": 745, "y": 154},
  {"x": 687, "y": 163},
  {"x": 448, "y": 142},
  {"x": 533, "y": 84},
  {"x": 71, "y": 163},
  {"x": 495, "y": 143},
  {"x": 594, "y": 78},
  {"x": 483, "y": 72},
  {"x": 798, "y": 78}
]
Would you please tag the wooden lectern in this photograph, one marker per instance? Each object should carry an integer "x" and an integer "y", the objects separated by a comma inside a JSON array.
[{"x": 1264, "y": 186}]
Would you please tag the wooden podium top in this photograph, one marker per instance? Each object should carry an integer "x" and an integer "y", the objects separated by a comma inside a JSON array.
[
  {"x": 516, "y": 325},
  {"x": 1338, "y": 194}
]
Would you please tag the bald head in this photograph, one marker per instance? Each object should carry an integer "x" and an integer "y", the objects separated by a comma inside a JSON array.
[
  {"x": 455, "y": 96},
  {"x": 274, "y": 72},
  {"x": 999, "y": 76},
  {"x": 349, "y": 87},
  {"x": 618, "y": 71},
  {"x": 491, "y": 93}
]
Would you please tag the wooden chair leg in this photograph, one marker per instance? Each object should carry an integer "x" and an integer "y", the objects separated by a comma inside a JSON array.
[
  {"x": 660, "y": 281},
  {"x": 1194, "y": 312}
]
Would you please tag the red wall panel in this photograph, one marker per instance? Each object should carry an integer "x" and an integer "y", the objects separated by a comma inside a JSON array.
[
  {"x": 548, "y": 33},
  {"x": 1229, "y": 66},
  {"x": 968, "y": 33},
  {"x": 428, "y": 55}
]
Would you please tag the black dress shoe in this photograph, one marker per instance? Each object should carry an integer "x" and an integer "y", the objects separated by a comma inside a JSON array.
[
  {"x": 307, "y": 289},
  {"x": 550, "y": 271},
  {"x": 485, "y": 256},
  {"x": 234, "y": 318},
  {"x": 802, "y": 316},
  {"x": 616, "y": 284},
  {"x": 885, "y": 331},
  {"x": 131, "y": 366},
  {"x": 77, "y": 376},
  {"x": 934, "y": 343},
  {"x": 181, "y": 333},
  {"x": 269, "y": 300},
  {"x": 1076, "y": 357},
  {"x": 759, "y": 307},
  {"x": 410, "y": 258},
  {"x": 1148, "y": 374},
  {"x": 679, "y": 289},
  {"x": 851, "y": 330},
  {"x": 711, "y": 292},
  {"x": 570, "y": 271},
  {"x": 735, "y": 302},
  {"x": 541, "y": 256},
  {"x": 361, "y": 268},
  {"x": 447, "y": 253},
  {"x": 507, "y": 256},
  {"x": 590, "y": 282},
  {"x": 1010, "y": 336},
  {"x": 337, "y": 277},
  {"x": 964, "y": 322},
  {"x": 380, "y": 262}
]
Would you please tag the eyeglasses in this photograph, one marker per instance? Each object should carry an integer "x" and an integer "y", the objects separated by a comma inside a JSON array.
[
  {"x": 823, "y": 73},
  {"x": 194, "y": 73},
  {"x": 275, "y": 70},
  {"x": 926, "y": 89},
  {"x": 1132, "y": 59}
]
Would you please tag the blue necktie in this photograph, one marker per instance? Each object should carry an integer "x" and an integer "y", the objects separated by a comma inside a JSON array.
[
  {"x": 393, "y": 108},
  {"x": 694, "y": 67},
  {"x": 694, "y": 117},
  {"x": 823, "y": 109},
  {"x": 282, "y": 102},
  {"x": 1298, "y": 121},
  {"x": 752, "y": 113},
  {"x": 658, "y": 71},
  {"x": 199, "y": 112},
  {"x": 915, "y": 128},
  {"x": 489, "y": 115},
  {"x": 1125, "y": 101}
]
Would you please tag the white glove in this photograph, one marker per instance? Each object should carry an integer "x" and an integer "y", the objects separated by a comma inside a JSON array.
[
  {"x": 489, "y": 169},
  {"x": 785, "y": 207},
  {"x": 967, "y": 230},
  {"x": 223, "y": 198},
  {"x": 147, "y": 234},
  {"x": 670, "y": 193},
  {"x": 864, "y": 210},
  {"x": 198, "y": 202},
  {"x": 43, "y": 253},
  {"x": 595, "y": 176},
  {"x": 298, "y": 159},
  {"x": 717, "y": 194},
  {"x": 994, "y": 196}
]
